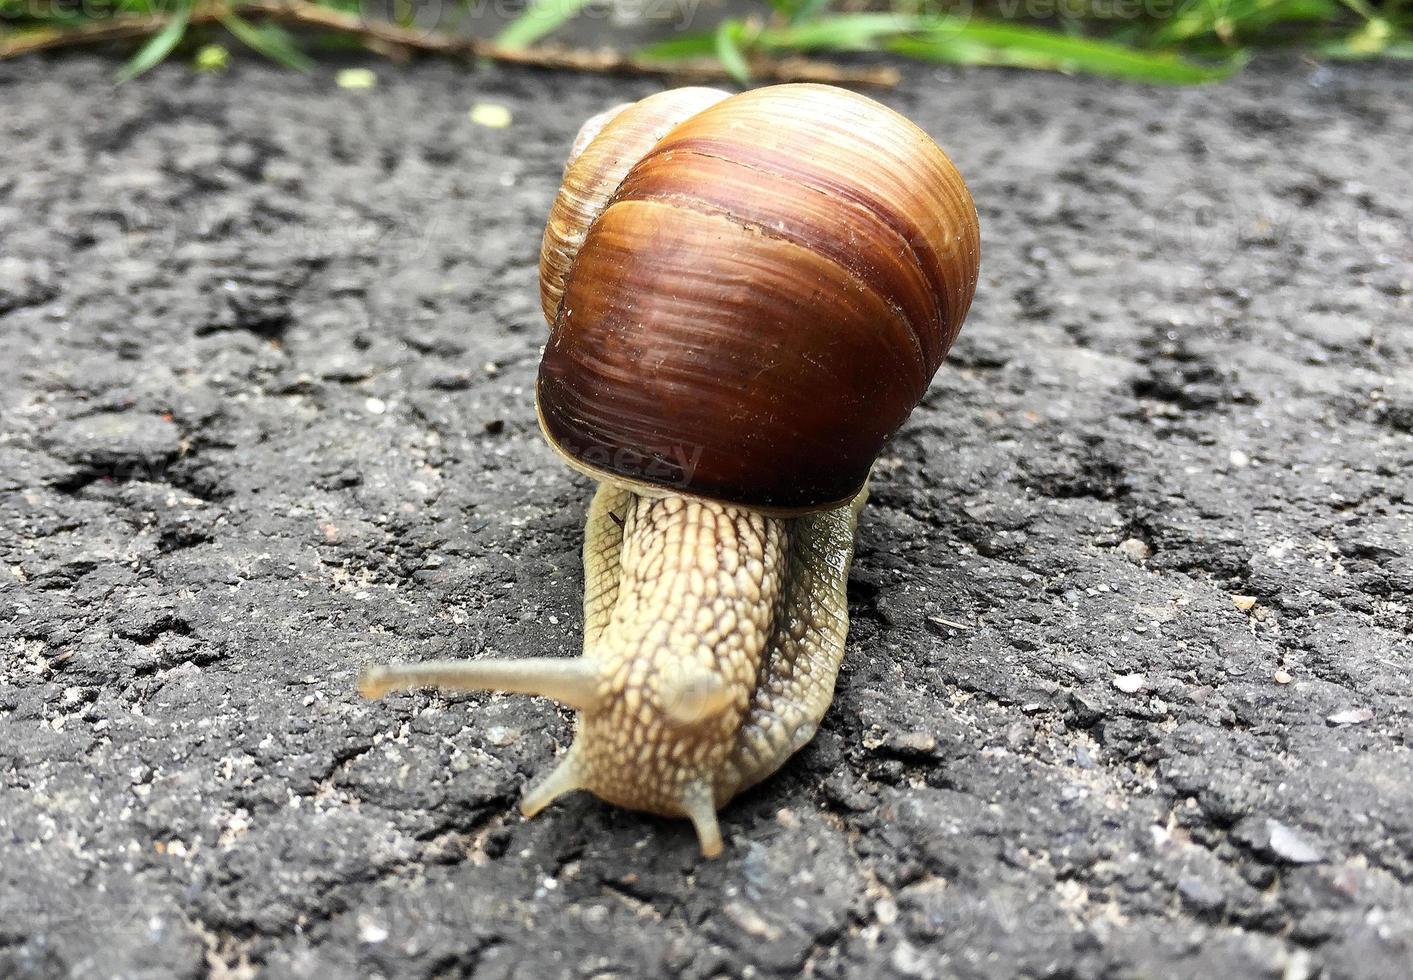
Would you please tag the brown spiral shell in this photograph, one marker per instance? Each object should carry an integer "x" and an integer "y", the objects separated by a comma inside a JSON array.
[
  {"x": 748, "y": 295},
  {"x": 597, "y": 166}
]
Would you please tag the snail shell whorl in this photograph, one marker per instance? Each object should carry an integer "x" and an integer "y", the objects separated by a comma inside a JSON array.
[
  {"x": 748, "y": 295},
  {"x": 597, "y": 165}
]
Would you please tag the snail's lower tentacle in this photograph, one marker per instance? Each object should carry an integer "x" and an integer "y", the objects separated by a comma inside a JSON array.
[
  {"x": 699, "y": 806},
  {"x": 566, "y": 777}
]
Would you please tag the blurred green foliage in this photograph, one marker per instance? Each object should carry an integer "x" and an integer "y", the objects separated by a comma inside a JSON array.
[{"x": 1157, "y": 41}]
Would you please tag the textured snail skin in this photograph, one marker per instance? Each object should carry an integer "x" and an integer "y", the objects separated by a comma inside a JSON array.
[
  {"x": 736, "y": 328},
  {"x": 717, "y": 633}
]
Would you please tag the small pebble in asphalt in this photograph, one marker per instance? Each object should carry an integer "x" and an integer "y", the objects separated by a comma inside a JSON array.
[
  {"x": 491, "y": 115},
  {"x": 1129, "y": 683},
  {"x": 356, "y": 78},
  {"x": 1135, "y": 550},
  {"x": 1287, "y": 844}
]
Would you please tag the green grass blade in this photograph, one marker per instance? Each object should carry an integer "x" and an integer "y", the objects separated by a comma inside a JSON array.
[
  {"x": 843, "y": 32},
  {"x": 541, "y": 17},
  {"x": 159, "y": 45},
  {"x": 269, "y": 40},
  {"x": 689, "y": 46},
  {"x": 962, "y": 41},
  {"x": 1234, "y": 20},
  {"x": 728, "y": 51},
  {"x": 983, "y": 43}
]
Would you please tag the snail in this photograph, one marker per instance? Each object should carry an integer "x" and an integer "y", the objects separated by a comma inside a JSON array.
[{"x": 747, "y": 295}]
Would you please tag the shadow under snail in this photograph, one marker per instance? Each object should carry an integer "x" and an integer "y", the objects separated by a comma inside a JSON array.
[{"x": 747, "y": 296}]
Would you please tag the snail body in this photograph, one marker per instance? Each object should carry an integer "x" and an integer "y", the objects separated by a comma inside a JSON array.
[{"x": 747, "y": 296}]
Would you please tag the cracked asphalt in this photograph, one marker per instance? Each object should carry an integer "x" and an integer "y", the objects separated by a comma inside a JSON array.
[{"x": 1127, "y": 691}]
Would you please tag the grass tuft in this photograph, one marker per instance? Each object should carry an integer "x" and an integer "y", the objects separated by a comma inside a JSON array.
[{"x": 1177, "y": 42}]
